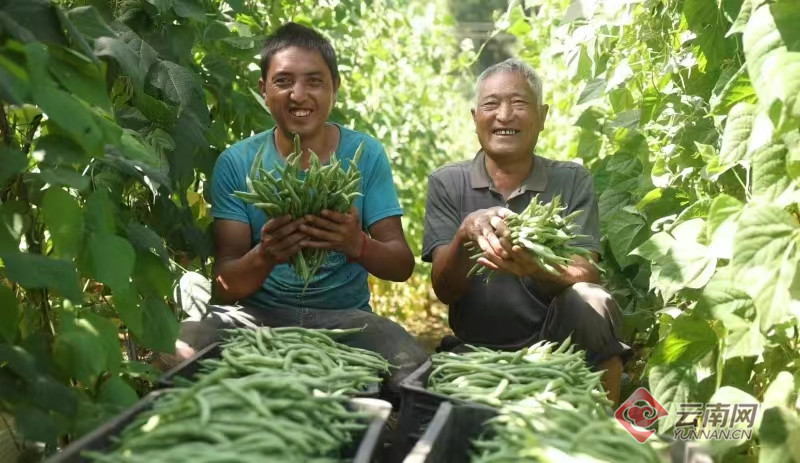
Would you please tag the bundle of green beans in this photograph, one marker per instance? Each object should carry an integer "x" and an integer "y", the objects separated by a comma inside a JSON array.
[
  {"x": 312, "y": 356},
  {"x": 257, "y": 418},
  {"x": 284, "y": 191},
  {"x": 496, "y": 377},
  {"x": 549, "y": 432},
  {"x": 543, "y": 232}
]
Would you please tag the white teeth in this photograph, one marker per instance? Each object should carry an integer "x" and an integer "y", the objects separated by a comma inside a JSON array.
[
  {"x": 300, "y": 112},
  {"x": 505, "y": 132}
]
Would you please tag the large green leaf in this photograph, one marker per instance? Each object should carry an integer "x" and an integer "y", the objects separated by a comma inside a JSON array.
[
  {"x": 89, "y": 23},
  {"x": 100, "y": 213},
  {"x": 625, "y": 230},
  {"x": 124, "y": 56},
  {"x": 709, "y": 26},
  {"x": 779, "y": 436},
  {"x": 732, "y": 396},
  {"x": 792, "y": 142},
  {"x": 737, "y": 133},
  {"x": 721, "y": 227},
  {"x": 160, "y": 326},
  {"x": 79, "y": 76},
  {"x": 189, "y": 9},
  {"x": 145, "y": 240},
  {"x": 55, "y": 150},
  {"x": 672, "y": 386},
  {"x": 116, "y": 391},
  {"x": 14, "y": 222},
  {"x": 771, "y": 180},
  {"x": 178, "y": 84},
  {"x": 36, "y": 17},
  {"x": 87, "y": 347},
  {"x": 151, "y": 276},
  {"x": 127, "y": 305},
  {"x": 37, "y": 425},
  {"x": 772, "y": 30},
  {"x": 780, "y": 391},
  {"x": 689, "y": 340},
  {"x": 14, "y": 78},
  {"x": 64, "y": 219},
  {"x": 9, "y": 314},
  {"x": 71, "y": 114},
  {"x": 61, "y": 176},
  {"x": 766, "y": 256},
  {"x": 13, "y": 162},
  {"x": 35, "y": 271},
  {"x": 113, "y": 259},
  {"x": 732, "y": 89},
  {"x": 741, "y": 20}
]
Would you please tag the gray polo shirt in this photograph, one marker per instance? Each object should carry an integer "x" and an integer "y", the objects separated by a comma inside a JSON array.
[{"x": 508, "y": 312}]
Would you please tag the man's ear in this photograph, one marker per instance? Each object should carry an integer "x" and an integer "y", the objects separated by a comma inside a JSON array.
[
  {"x": 262, "y": 87},
  {"x": 545, "y": 109},
  {"x": 472, "y": 111}
]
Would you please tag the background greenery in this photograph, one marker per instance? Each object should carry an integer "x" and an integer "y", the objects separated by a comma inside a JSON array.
[{"x": 686, "y": 111}]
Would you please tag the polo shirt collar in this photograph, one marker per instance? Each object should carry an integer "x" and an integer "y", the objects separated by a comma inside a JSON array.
[{"x": 535, "y": 181}]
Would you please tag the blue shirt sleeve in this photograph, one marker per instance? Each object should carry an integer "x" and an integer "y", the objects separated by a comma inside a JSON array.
[
  {"x": 380, "y": 195},
  {"x": 226, "y": 179}
]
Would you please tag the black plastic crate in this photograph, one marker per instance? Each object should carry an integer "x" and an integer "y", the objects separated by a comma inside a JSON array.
[
  {"x": 449, "y": 436},
  {"x": 417, "y": 408},
  {"x": 366, "y": 450},
  {"x": 189, "y": 368}
]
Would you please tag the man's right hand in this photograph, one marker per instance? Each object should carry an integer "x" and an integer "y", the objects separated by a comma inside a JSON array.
[
  {"x": 280, "y": 239},
  {"x": 486, "y": 228}
]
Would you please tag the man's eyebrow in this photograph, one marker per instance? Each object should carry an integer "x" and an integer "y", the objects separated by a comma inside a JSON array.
[
  {"x": 308, "y": 74},
  {"x": 512, "y": 95}
]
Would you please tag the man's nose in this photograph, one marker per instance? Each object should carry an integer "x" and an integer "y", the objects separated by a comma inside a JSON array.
[
  {"x": 298, "y": 93},
  {"x": 504, "y": 112}
]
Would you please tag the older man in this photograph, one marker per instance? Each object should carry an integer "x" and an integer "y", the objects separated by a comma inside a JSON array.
[
  {"x": 299, "y": 82},
  {"x": 467, "y": 202}
]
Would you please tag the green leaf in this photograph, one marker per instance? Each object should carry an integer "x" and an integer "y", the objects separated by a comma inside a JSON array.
[
  {"x": 771, "y": 30},
  {"x": 14, "y": 222},
  {"x": 146, "y": 240},
  {"x": 741, "y": 20},
  {"x": 656, "y": 248},
  {"x": 116, "y": 391},
  {"x": 689, "y": 340},
  {"x": 771, "y": 181},
  {"x": 160, "y": 326},
  {"x": 82, "y": 78},
  {"x": 721, "y": 226},
  {"x": 732, "y": 89},
  {"x": 766, "y": 257},
  {"x": 113, "y": 259},
  {"x": 13, "y": 162},
  {"x": 152, "y": 277},
  {"x": 14, "y": 78},
  {"x": 625, "y": 231},
  {"x": 134, "y": 149},
  {"x": 672, "y": 386},
  {"x": 89, "y": 22},
  {"x": 125, "y": 57},
  {"x": 36, "y": 17},
  {"x": 589, "y": 144},
  {"x": 127, "y": 305},
  {"x": 189, "y": 9},
  {"x": 594, "y": 89},
  {"x": 779, "y": 436},
  {"x": 792, "y": 141},
  {"x": 35, "y": 271},
  {"x": 55, "y": 150},
  {"x": 737, "y": 133},
  {"x": 36, "y": 425},
  {"x": 60, "y": 176},
  {"x": 784, "y": 72},
  {"x": 177, "y": 83},
  {"x": 87, "y": 347},
  {"x": 71, "y": 114},
  {"x": 9, "y": 314},
  {"x": 64, "y": 219},
  {"x": 709, "y": 26},
  {"x": 780, "y": 391},
  {"x": 100, "y": 214}
]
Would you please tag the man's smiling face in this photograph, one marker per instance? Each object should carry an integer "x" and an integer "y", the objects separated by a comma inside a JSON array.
[
  {"x": 299, "y": 91},
  {"x": 506, "y": 115}
]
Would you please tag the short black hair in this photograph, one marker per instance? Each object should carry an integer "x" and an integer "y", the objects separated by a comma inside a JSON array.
[{"x": 292, "y": 34}]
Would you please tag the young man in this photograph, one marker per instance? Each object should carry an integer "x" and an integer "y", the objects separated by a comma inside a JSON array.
[
  {"x": 467, "y": 202},
  {"x": 299, "y": 83}
]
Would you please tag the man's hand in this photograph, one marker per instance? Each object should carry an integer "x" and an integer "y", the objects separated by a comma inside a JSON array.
[
  {"x": 485, "y": 227},
  {"x": 281, "y": 238},
  {"x": 518, "y": 262},
  {"x": 334, "y": 231}
]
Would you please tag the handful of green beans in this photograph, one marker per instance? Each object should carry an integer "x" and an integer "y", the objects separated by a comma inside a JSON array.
[
  {"x": 257, "y": 418},
  {"x": 496, "y": 377},
  {"x": 554, "y": 432},
  {"x": 282, "y": 191},
  {"x": 311, "y": 356},
  {"x": 544, "y": 233}
]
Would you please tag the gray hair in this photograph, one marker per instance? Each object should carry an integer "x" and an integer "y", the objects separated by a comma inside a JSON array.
[{"x": 520, "y": 67}]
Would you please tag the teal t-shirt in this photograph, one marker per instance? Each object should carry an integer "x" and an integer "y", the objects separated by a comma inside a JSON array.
[{"x": 338, "y": 284}]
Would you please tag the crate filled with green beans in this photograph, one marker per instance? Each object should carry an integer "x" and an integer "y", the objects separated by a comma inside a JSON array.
[
  {"x": 494, "y": 378},
  {"x": 257, "y": 418},
  {"x": 532, "y": 431},
  {"x": 313, "y": 352}
]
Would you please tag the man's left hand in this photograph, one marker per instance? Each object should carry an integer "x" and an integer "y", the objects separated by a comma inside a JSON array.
[
  {"x": 335, "y": 231},
  {"x": 519, "y": 262}
]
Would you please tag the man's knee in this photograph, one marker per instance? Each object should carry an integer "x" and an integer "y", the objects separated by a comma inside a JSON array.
[{"x": 589, "y": 314}]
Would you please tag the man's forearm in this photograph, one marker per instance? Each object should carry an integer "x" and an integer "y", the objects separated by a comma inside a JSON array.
[
  {"x": 390, "y": 260},
  {"x": 238, "y": 278},
  {"x": 449, "y": 275}
]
